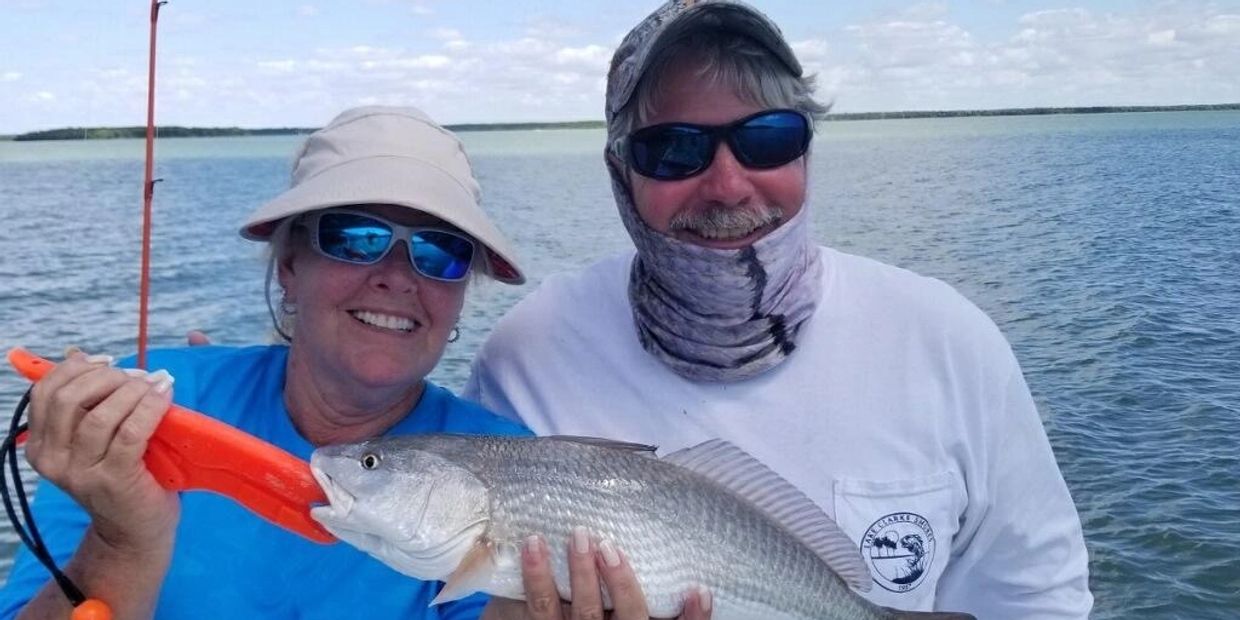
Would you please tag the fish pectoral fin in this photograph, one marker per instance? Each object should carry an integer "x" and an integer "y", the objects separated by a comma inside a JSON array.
[{"x": 473, "y": 574}]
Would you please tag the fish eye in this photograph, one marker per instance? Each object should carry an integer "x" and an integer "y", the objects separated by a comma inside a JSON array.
[{"x": 370, "y": 460}]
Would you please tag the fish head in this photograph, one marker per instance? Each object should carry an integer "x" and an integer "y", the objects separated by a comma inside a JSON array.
[{"x": 416, "y": 511}]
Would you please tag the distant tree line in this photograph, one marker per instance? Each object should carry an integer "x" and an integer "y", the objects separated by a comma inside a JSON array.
[
  {"x": 858, "y": 116},
  {"x": 98, "y": 133},
  {"x": 171, "y": 131},
  {"x": 525, "y": 126}
]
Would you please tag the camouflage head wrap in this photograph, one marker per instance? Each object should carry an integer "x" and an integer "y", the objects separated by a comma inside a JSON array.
[
  {"x": 673, "y": 21},
  {"x": 709, "y": 314}
]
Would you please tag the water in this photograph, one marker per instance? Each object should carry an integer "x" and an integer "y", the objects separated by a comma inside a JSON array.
[{"x": 1103, "y": 245}]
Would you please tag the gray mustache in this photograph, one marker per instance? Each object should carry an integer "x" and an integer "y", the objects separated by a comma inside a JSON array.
[{"x": 719, "y": 221}]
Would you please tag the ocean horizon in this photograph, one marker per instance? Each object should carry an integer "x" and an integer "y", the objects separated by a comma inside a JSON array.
[
  {"x": 1103, "y": 245},
  {"x": 108, "y": 132}
]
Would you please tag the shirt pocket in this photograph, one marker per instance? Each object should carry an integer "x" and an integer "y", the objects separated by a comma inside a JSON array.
[{"x": 904, "y": 530}]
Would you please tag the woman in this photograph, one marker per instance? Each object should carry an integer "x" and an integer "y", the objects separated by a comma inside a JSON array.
[{"x": 373, "y": 245}]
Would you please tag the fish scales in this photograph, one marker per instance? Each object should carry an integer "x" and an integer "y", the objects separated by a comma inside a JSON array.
[
  {"x": 675, "y": 530},
  {"x": 457, "y": 508}
]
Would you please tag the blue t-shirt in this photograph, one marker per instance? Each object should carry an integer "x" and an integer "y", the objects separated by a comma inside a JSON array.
[{"x": 230, "y": 563}]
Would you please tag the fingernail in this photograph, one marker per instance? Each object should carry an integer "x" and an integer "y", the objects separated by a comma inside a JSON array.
[
  {"x": 704, "y": 598},
  {"x": 534, "y": 544},
  {"x": 163, "y": 386},
  {"x": 100, "y": 359},
  {"x": 611, "y": 556},
  {"x": 135, "y": 372},
  {"x": 160, "y": 375},
  {"x": 581, "y": 539}
]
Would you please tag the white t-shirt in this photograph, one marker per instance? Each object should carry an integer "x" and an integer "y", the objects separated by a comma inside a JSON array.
[{"x": 902, "y": 413}]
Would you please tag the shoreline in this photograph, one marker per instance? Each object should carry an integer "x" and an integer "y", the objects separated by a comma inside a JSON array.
[{"x": 171, "y": 131}]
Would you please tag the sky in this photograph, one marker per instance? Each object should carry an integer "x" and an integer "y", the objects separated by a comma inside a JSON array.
[{"x": 276, "y": 63}]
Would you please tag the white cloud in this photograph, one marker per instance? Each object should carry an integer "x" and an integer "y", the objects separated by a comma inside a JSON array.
[
  {"x": 446, "y": 34},
  {"x": 527, "y": 78},
  {"x": 815, "y": 57},
  {"x": 926, "y": 11},
  {"x": 920, "y": 57},
  {"x": 1162, "y": 37},
  {"x": 1064, "y": 57},
  {"x": 910, "y": 44},
  {"x": 115, "y": 75},
  {"x": 185, "y": 16},
  {"x": 1053, "y": 18},
  {"x": 280, "y": 66},
  {"x": 25, "y": 5},
  {"x": 543, "y": 27},
  {"x": 317, "y": 66},
  {"x": 526, "y": 47},
  {"x": 590, "y": 57},
  {"x": 811, "y": 50},
  {"x": 187, "y": 81},
  {"x": 1223, "y": 25},
  {"x": 426, "y": 61}
]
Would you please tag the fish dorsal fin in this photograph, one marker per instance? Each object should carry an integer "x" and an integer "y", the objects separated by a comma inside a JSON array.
[
  {"x": 603, "y": 442},
  {"x": 742, "y": 474}
]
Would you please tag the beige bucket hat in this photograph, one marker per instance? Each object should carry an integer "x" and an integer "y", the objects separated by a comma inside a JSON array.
[{"x": 389, "y": 155}]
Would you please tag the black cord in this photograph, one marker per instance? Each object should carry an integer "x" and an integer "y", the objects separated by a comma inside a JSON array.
[{"x": 27, "y": 531}]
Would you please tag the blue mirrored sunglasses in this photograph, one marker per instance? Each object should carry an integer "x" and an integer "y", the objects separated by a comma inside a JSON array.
[
  {"x": 364, "y": 239},
  {"x": 674, "y": 151}
]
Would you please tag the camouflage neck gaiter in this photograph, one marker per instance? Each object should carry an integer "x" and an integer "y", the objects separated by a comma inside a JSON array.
[{"x": 720, "y": 315}]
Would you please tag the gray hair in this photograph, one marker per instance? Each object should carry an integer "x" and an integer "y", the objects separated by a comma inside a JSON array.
[
  {"x": 755, "y": 74},
  {"x": 279, "y": 248}
]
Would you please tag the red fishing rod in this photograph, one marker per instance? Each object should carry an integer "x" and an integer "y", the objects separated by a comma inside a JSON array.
[
  {"x": 188, "y": 451},
  {"x": 148, "y": 190},
  {"x": 89, "y": 608}
]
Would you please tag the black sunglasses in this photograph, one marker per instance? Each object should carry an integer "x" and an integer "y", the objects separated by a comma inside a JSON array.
[{"x": 674, "y": 151}]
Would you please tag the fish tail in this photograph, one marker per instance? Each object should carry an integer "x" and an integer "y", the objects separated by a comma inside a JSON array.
[{"x": 896, "y": 614}]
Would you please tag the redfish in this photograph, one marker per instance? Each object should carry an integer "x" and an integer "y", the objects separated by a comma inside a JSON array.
[{"x": 456, "y": 508}]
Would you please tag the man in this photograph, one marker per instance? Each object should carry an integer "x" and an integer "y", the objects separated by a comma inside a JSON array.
[{"x": 889, "y": 399}]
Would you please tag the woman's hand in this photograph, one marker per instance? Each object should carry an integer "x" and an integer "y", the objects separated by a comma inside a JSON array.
[
  {"x": 89, "y": 428},
  {"x": 590, "y": 564}
]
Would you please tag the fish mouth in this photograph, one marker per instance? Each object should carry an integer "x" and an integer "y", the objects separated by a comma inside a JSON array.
[
  {"x": 334, "y": 515},
  {"x": 340, "y": 502}
]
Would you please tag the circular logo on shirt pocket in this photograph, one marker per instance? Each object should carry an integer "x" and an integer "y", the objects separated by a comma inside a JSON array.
[{"x": 900, "y": 550}]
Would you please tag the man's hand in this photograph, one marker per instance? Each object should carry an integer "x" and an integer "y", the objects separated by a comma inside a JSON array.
[{"x": 591, "y": 565}]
